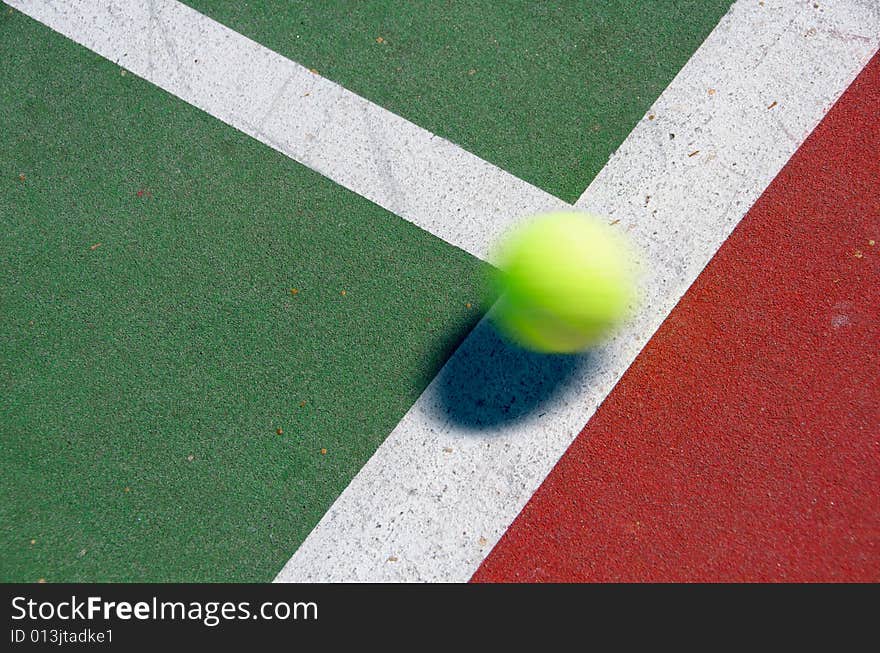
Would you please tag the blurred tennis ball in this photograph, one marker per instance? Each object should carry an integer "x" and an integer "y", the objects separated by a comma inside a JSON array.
[{"x": 566, "y": 280}]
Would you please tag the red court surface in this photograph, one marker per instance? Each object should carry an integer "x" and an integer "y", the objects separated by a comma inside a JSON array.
[{"x": 744, "y": 442}]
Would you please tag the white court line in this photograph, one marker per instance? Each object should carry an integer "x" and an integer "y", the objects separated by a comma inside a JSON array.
[
  {"x": 403, "y": 168},
  {"x": 436, "y": 495}
]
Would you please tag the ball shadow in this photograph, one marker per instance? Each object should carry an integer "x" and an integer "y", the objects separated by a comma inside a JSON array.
[{"x": 490, "y": 381}]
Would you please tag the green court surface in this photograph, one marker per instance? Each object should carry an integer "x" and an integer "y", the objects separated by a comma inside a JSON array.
[
  {"x": 546, "y": 91},
  {"x": 201, "y": 340},
  {"x": 150, "y": 343}
]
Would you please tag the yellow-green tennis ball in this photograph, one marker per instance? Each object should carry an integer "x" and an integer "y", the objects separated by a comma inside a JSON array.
[{"x": 566, "y": 280}]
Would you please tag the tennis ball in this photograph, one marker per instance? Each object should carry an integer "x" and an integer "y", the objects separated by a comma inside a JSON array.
[{"x": 566, "y": 280}]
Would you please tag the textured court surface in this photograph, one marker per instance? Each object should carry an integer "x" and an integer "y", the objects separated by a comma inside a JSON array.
[
  {"x": 546, "y": 91},
  {"x": 742, "y": 444},
  {"x": 205, "y": 334},
  {"x": 150, "y": 255}
]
